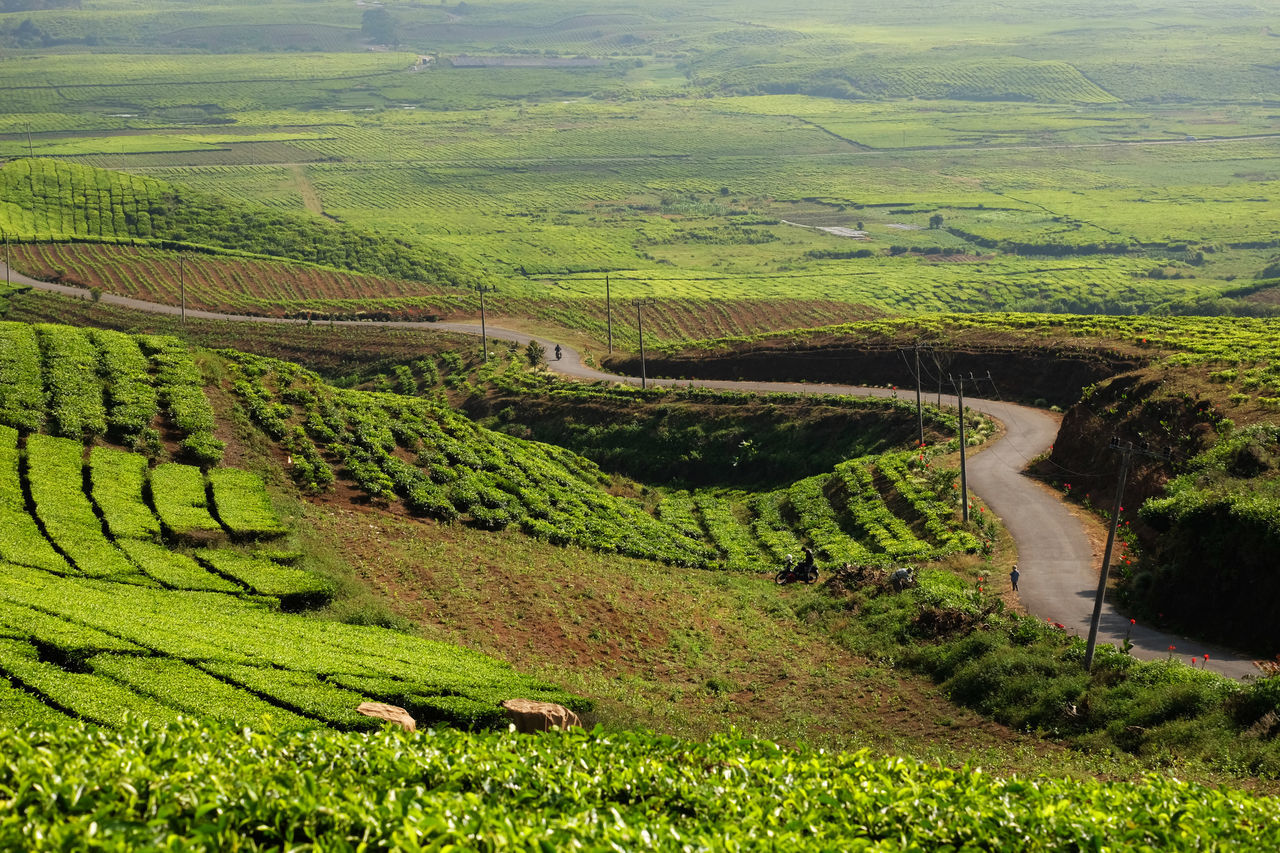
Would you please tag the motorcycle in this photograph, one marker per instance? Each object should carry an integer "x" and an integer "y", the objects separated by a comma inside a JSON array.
[
  {"x": 903, "y": 579},
  {"x": 792, "y": 573}
]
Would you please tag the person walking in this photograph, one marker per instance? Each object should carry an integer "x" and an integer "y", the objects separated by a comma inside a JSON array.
[{"x": 1013, "y": 578}]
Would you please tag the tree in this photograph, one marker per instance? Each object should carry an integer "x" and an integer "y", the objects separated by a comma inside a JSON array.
[
  {"x": 378, "y": 26},
  {"x": 536, "y": 354},
  {"x": 935, "y": 221}
]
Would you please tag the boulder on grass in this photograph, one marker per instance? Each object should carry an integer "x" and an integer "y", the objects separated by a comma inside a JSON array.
[
  {"x": 531, "y": 716},
  {"x": 390, "y": 713}
]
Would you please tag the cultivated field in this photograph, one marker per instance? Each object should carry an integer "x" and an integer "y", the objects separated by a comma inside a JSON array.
[
  {"x": 698, "y": 159},
  {"x": 227, "y": 535}
]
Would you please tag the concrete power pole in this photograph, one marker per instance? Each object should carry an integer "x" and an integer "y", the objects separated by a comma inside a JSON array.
[
  {"x": 919, "y": 405},
  {"x": 1126, "y": 451},
  {"x": 484, "y": 337},
  {"x": 964, "y": 478},
  {"x": 640, "y": 303}
]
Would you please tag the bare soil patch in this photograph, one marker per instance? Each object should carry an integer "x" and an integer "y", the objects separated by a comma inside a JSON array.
[{"x": 683, "y": 652}]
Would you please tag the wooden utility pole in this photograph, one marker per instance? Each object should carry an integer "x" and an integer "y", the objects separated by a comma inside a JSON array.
[
  {"x": 608, "y": 313},
  {"x": 182, "y": 285},
  {"x": 916, "y": 347}
]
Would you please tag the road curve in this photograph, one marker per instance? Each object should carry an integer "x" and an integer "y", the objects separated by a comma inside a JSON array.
[{"x": 1055, "y": 556}]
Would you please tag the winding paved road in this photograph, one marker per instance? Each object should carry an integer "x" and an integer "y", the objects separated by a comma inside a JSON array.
[{"x": 1058, "y": 563}]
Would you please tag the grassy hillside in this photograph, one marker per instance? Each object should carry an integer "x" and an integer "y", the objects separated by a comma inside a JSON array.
[
  {"x": 51, "y": 200},
  {"x": 440, "y": 465},
  {"x": 201, "y": 604},
  {"x": 169, "y": 538}
]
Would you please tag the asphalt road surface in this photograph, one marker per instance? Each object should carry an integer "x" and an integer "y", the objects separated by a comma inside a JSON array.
[{"x": 1058, "y": 564}]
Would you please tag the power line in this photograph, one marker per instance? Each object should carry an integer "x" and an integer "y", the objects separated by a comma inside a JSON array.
[{"x": 570, "y": 277}]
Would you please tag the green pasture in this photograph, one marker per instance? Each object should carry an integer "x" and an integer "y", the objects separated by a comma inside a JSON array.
[{"x": 700, "y": 153}]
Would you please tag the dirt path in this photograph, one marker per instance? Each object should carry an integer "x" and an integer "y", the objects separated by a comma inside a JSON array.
[
  {"x": 1058, "y": 562},
  {"x": 310, "y": 198}
]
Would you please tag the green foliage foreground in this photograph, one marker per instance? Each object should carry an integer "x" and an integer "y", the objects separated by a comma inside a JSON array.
[
  {"x": 1028, "y": 674},
  {"x": 223, "y": 788}
]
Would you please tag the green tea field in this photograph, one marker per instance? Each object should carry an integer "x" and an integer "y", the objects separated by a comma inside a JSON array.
[{"x": 256, "y": 470}]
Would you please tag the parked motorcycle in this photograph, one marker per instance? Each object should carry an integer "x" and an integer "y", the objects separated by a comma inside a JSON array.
[
  {"x": 903, "y": 579},
  {"x": 792, "y": 573}
]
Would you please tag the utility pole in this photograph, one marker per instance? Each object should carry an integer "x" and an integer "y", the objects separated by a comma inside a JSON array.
[
  {"x": 182, "y": 284},
  {"x": 484, "y": 338},
  {"x": 30, "y": 150},
  {"x": 916, "y": 347},
  {"x": 919, "y": 404},
  {"x": 1126, "y": 451},
  {"x": 6, "y": 259},
  {"x": 640, "y": 328},
  {"x": 608, "y": 312},
  {"x": 964, "y": 478}
]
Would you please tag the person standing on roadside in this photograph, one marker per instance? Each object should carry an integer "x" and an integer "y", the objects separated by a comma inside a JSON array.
[{"x": 1014, "y": 574}]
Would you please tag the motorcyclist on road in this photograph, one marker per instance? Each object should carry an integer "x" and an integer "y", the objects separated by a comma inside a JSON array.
[{"x": 557, "y": 352}]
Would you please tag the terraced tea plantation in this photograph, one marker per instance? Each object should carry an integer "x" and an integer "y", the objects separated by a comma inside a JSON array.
[
  {"x": 438, "y": 464},
  {"x": 102, "y": 616},
  {"x": 459, "y": 790},
  {"x": 49, "y": 200},
  {"x": 128, "y": 587},
  {"x": 104, "y": 612},
  {"x": 140, "y": 580},
  {"x": 844, "y": 516}
]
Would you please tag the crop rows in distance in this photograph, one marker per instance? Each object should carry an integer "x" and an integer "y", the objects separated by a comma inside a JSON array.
[
  {"x": 52, "y": 200},
  {"x": 278, "y": 288},
  {"x": 441, "y": 465},
  {"x": 61, "y": 201},
  {"x": 234, "y": 285}
]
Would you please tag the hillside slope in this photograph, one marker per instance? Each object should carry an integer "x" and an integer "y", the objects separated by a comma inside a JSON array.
[
  {"x": 53, "y": 200},
  {"x": 135, "y": 584}
]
